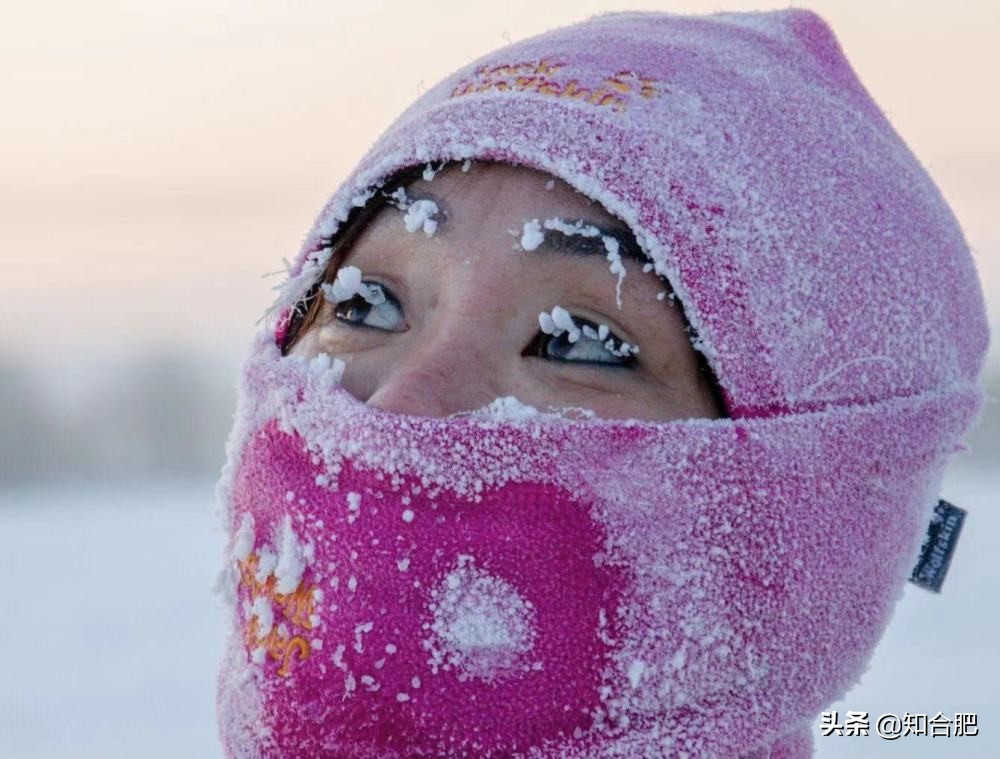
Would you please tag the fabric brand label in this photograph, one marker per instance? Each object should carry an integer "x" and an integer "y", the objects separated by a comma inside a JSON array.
[{"x": 938, "y": 546}]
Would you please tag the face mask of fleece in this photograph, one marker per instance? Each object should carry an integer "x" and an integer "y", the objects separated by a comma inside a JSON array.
[{"x": 474, "y": 587}]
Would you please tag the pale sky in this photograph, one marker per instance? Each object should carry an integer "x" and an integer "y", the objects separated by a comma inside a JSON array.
[{"x": 156, "y": 161}]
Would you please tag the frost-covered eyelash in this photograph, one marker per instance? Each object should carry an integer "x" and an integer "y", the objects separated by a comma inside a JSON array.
[
  {"x": 558, "y": 321},
  {"x": 348, "y": 284}
]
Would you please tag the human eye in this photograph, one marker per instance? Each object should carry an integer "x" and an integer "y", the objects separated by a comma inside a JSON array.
[
  {"x": 376, "y": 308},
  {"x": 577, "y": 340}
]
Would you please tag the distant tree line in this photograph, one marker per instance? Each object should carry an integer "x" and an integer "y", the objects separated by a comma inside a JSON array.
[{"x": 155, "y": 415}]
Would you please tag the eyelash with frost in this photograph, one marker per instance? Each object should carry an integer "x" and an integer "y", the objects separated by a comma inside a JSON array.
[
  {"x": 558, "y": 321},
  {"x": 348, "y": 284}
]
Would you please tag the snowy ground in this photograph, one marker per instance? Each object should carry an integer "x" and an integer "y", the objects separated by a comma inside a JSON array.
[{"x": 111, "y": 635}]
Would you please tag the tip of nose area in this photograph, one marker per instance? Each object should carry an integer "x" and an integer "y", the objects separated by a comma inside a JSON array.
[{"x": 412, "y": 399}]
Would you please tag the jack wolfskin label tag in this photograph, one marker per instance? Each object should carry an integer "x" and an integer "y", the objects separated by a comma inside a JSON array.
[{"x": 938, "y": 546}]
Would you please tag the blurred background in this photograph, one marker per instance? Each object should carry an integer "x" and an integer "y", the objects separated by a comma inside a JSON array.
[{"x": 156, "y": 160}]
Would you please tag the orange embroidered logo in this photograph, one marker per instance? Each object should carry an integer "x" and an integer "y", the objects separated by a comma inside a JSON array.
[
  {"x": 613, "y": 91},
  {"x": 298, "y": 609}
]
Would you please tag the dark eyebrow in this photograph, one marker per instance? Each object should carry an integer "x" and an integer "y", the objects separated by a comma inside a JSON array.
[{"x": 559, "y": 242}]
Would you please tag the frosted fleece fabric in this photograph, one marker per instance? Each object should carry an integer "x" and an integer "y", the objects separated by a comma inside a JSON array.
[{"x": 472, "y": 587}]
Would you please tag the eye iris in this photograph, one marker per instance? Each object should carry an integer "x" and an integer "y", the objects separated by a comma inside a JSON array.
[{"x": 355, "y": 310}]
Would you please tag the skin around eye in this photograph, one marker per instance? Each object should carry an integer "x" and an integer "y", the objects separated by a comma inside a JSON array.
[{"x": 386, "y": 314}]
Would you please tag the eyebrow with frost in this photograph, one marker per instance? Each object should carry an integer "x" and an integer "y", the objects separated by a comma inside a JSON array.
[{"x": 572, "y": 245}]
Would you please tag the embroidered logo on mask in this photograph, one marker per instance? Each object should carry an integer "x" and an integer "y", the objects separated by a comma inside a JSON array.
[
  {"x": 266, "y": 635},
  {"x": 616, "y": 91}
]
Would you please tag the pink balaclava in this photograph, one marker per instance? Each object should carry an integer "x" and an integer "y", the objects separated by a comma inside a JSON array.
[{"x": 489, "y": 585}]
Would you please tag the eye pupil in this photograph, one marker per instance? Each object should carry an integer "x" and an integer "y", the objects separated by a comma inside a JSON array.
[{"x": 355, "y": 309}]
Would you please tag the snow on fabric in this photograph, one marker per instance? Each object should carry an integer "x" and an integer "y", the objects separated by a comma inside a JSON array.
[
  {"x": 547, "y": 563},
  {"x": 755, "y": 171},
  {"x": 482, "y": 626},
  {"x": 686, "y": 578}
]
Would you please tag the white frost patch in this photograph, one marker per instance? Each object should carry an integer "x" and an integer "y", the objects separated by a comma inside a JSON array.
[
  {"x": 338, "y": 657},
  {"x": 291, "y": 559},
  {"x": 408, "y": 515},
  {"x": 635, "y": 671},
  {"x": 348, "y": 284},
  {"x": 244, "y": 539},
  {"x": 265, "y": 615},
  {"x": 558, "y": 321},
  {"x": 268, "y": 561},
  {"x": 362, "y": 198},
  {"x": 466, "y": 165},
  {"x": 509, "y": 408},
  {"x": 332, "y": 370},
  {"x": 353, "y": 506},
  {"x": 399, "y": 196},
  {"x": 420, "y": 215},
  {"x": 617, "y": 267},
  {"x": 482, "y": 625},
  {"x": 359, "y": 630},
  {"x": 550, "y": 184},
  {"x": 532, "y": 235}
]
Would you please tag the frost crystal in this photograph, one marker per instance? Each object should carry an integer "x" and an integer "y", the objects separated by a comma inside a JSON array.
[
  {"x": 291, "y": 561},
  {"x": 420, "y": 214},
  {"x": 243, "y": 542},
  {"x": 532, "y": 235},
  {"x": 558, "y": 321},
  {"x": 482, "y": 624},
  {"x": 348, "y": 284},
  {"x": 265, "y": 615}
]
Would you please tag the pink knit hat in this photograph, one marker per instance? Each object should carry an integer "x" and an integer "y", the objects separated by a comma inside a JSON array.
[{"x": 686, "y": 588}]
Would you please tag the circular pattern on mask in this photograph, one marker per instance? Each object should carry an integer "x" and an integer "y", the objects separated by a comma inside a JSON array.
[{"x": 482, "y": 625}]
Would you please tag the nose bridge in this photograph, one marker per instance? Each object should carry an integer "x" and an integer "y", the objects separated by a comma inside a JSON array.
[{"x": 450, "y": 367}]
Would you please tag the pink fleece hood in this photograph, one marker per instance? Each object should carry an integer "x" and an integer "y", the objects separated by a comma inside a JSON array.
[{"x": 406, "y": 586}]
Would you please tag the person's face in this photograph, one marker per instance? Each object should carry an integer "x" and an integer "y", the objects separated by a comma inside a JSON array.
[{"x": 459, "y": 325}]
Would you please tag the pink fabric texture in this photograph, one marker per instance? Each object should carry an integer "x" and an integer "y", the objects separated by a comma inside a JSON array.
[{"x": 467, "y": 587}]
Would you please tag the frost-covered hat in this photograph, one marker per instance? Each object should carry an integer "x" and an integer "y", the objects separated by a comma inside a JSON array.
[
  {"x": 698, "y": 587},
  {"x": 814, "y": 256}
]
